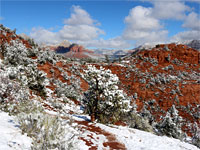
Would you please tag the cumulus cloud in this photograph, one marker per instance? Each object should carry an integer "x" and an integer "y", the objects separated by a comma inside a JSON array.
[
  {"x": 79, "y": 16},
  {"x": 186, "y": 35},
  {"x": 192, "y": 24},
  {"x": 153, "y": 37},
  {"x": 117, "y": 42},
  {"x": 173, "y": 10},
  {"x": 140, "y": 18},
  {"x": 79, "y": 27},
  {"x": 144, "y": 24},
  {"x": 80, "y": 32},
  {"x": 143, "y": 27},
  {"x": 170, "y": 9},
  {"x": 192, "y": 21},
  {"x": 42, "y": 35}
]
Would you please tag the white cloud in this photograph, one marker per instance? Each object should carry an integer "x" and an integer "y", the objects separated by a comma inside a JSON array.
[
  {"x": 79, "y": 17},
  {"x": 186, "y": 35},
  {"x": 170, "y": 9},
  {"x": 143, "y": 27},
  {"x": 42, "y": 35},
  {"x": 80, "y": 32},
  {"x": 192, "y": 21},
  {"x": 116, "y": 42},
  {"x": 196, "y": 1},
  {"x": 140, "y": 18},
  {"x": 79, "y": 27},
  {"x": 153, "y": 37},
  {"x": 1, "y": 18}
]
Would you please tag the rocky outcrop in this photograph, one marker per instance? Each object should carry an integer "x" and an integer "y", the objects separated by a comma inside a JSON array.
[
  {"x": 78, "y": 51},
  {"x": 73, "y": 51},
  {"x": 76, "y": 48}
]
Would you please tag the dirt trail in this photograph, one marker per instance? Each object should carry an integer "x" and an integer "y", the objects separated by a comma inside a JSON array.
[{"x": 112, "y": 142}]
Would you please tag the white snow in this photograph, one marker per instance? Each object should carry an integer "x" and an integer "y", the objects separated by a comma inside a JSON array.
[
  {"x": 140, "y": 140},
  {"x": 11, "y": 137}
]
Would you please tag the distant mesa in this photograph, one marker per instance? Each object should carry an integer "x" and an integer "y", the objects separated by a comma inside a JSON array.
[{"x": 73, "y": 50}]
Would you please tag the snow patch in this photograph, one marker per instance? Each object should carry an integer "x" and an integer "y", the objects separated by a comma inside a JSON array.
[
  {"x": 140, "y": 140},
  {"x": 11, "y": 136}
]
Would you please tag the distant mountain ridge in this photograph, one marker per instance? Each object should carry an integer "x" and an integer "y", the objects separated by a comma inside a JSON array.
[{"x": 194, "y": 44}]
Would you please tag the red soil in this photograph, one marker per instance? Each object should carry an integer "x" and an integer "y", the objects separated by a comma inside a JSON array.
[{"x": 112, "y": 142}]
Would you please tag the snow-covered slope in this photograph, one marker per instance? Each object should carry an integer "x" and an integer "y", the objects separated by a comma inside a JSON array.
[
  {"x": 99, "y": 136},
  {"x": 11, "y": 137},
  {"x": 134, "y": 139}
]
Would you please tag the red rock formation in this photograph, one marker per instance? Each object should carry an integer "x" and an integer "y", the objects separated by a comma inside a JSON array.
[
  {"x": 76, "y": 48},
  {"x": 73, "y": 51}
]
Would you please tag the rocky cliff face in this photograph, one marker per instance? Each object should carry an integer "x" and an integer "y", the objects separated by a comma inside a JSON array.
[{"x": 76, "y": 48}]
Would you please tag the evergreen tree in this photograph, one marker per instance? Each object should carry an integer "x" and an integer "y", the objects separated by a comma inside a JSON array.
[
  {"x": 104, "y": 101},
  {"x": 107, "y": 59},
  {"x": 171, "y": 124}
]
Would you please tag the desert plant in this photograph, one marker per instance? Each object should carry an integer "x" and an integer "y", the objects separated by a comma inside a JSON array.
[
  {"x": 135, "y": 120},
  {"x": 104, "y": 101},
  {"x": 196, "y": 136},
  {"x": 171, "y": 124},
  {"x": 46, "y": 131}
]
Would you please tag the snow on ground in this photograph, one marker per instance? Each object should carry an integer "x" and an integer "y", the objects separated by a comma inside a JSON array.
[
  {"x": 11, "y": 137},
  {"x": 140, "y": 140}
]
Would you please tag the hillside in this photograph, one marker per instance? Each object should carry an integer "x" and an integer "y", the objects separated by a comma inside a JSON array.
[
  {"x": 164, "y": 77},
  {"x": 45, "y": 92}
]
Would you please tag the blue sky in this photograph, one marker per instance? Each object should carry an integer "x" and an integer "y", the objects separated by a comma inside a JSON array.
[{"x": 104, "y": 24}]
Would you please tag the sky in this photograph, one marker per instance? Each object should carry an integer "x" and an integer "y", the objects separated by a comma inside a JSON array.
[{"x": 114, "y": 24}]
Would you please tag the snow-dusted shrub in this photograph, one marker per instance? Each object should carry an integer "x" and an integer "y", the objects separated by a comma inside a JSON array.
[
  {"x": 196, "y": 136},
  {"x": 71, "y": 90},
  {"x": 104, "y": 101},
  {"x": 46, "y": 131},
  {"x": 171, "y": 124},
  {"x": 47, "y": 56},
  {"x": 11, "y": 94},
  {"x": 135, "y": 120},
  {"x": 16, "y": 53},
  {"x": 19, "y": 64}
]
